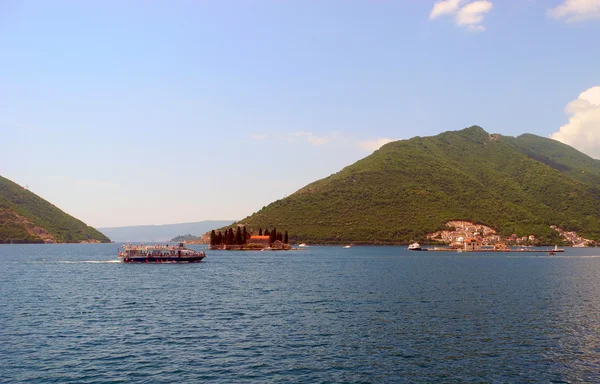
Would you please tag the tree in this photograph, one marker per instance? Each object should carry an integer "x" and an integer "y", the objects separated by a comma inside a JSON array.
[
  {"x": 285, "y": 238},
  {"x": 238, "y": 236},
  {"x": 273, "y": 235},
  {"x": 266, "y": 232},
  {"x": 213, "y": 237},
  {"x": 245, "y": 235},
  {"x": 259, "y": 231}
]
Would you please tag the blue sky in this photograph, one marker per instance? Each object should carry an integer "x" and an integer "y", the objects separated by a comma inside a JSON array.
[{"x": 152, "y": 112}]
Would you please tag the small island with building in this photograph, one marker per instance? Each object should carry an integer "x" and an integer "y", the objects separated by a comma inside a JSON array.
[{"x": 243, "y": 239}]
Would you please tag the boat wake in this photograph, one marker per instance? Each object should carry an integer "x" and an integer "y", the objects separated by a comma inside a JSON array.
[
  {"x": 546, "y": 256},
  {"x": 88, "y": 261}
]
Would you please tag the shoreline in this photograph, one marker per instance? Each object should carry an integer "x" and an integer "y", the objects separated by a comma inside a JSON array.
[{"x": 493, "y": 250}]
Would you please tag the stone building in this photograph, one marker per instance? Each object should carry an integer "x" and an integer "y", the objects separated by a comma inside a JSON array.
[{"x": 263, "y": 241}]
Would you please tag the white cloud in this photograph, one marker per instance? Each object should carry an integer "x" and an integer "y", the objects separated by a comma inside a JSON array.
[
  {"x": 309, "y": 137},
  {"x": 444, "y": 7},
  {"x": 374, "y": 144},
  {"x": 470, "y": 15},
  {"x": 333, "y": 138},
  {"x": 576, "y": 10},
  {"x": 583, "y": 129}
]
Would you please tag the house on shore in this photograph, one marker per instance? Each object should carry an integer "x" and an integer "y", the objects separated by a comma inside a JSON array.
[
  {"x": 472, "y": 244},
  {"x": 277, "y": 245}
]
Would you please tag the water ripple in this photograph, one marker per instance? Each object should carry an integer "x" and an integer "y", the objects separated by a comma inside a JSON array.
[{"x": 69, "y": 313}]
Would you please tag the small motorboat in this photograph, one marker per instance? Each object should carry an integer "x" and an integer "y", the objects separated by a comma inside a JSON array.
[
  {"x": 347, "y": 246},
  {"x": 415, "y": 247}
]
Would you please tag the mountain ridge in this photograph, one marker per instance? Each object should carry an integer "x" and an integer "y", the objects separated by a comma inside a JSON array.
[
  {"x": 27, "y": 218},
  {"x": 161, "y": 232},
  {"x": 409, "y": 188}
]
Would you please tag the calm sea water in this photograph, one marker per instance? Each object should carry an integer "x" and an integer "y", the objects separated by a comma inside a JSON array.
[{"x": 69, "y": 313}]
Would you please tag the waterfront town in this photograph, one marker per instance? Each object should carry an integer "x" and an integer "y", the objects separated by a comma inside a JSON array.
[
  {"x": 460, "y": 231},
  {"x": 573, "y": 238}
]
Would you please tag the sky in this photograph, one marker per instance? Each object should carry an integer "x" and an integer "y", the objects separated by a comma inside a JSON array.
[{"x": 156, "y": 112}]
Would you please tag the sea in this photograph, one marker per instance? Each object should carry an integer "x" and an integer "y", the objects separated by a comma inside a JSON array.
[{"x": 70, "y": 313}]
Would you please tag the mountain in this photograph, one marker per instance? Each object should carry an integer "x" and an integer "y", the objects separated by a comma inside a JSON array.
[
  {"x": 409, "y": 188},
  {"x": 188, "y": 237},
  {"x": 161, "y": 233},
  {"x": 27, "y": 218},
  {"x": 558, "y": 156}
]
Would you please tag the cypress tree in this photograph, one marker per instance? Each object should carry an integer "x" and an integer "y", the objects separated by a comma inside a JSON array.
[
  {"x": 266, "y": 233},
  {"x": 259, "y": 231},
  {"x": 285, "y": 238},
  {"x": 244, "y": 235},
  {"x": 238, "y": 236},
  {"x": 213, "y": 237}
]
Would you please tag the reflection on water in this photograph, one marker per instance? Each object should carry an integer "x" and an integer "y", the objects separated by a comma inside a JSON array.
[{"x": 573, "y": 320}]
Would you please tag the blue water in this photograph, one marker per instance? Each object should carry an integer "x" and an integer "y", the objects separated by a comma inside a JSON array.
[{"x": 322, "y": 314}]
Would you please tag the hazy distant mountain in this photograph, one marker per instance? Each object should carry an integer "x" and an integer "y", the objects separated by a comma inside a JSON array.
[
  {"x": 27, "y": 218},
  {"x": 409, "y": 188},
  {"x": 161, "y": 233}
]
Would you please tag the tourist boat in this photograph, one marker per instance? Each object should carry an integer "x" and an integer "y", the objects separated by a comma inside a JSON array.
[
  {"x": 159, "y": 254},
  {"x": 415, "y": 247}
]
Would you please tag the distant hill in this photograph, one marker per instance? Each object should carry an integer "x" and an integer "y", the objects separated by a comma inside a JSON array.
[
  {"x": 409, "y": 188},
  {"x": 161, "y": 233},
  {"x": 187, "y": 237},
  {"x": 27, "y": 218}
]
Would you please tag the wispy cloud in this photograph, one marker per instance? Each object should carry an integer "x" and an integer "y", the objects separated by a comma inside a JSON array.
[
  {"x": 298, "y": 137},
  {"x": 583, "y": 129},
  {"x": 576, "y": 10},
  {"x": 309, "y": 137},
  {"x": 374, "y": 144},
  {"x": 470, "y": 15},
  {"x": 333, "y": 138},
  {"x": 444, "y": 7}
]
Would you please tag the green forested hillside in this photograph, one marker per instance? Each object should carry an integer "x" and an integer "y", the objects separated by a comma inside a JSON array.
[
  {"x": 409, "y": 188},
  {"x": 27, "y": 218},
  {"x": 558, "y": 156}
]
